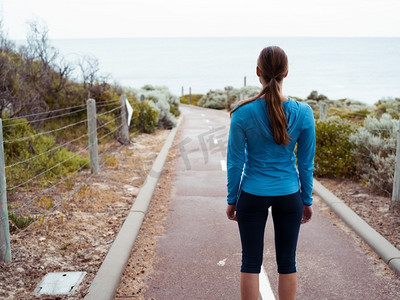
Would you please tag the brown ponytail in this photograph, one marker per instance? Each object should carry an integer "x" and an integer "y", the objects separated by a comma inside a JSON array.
[{"x": 273, "y": 66}]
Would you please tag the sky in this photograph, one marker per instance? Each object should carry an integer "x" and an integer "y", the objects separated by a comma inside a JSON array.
[{"x": 202, "y": 18}]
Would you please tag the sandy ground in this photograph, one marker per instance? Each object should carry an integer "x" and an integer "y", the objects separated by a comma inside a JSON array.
[
  {"x": 373, "y": 209},
  {"x": 143, "y": 257}
]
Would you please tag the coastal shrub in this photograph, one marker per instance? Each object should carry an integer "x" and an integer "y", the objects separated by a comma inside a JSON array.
[
  {"x": 313, "y": 103},
  {"x": 374, "y": 150},
  {"x": 354, "y": 116},
  {"x": 249, "y": 91},
  {"x": 245, "y": 92},
  {"x": 163, "y": 101},
  {"x": 107, "y": 125},
  {"x": 39, "y": 154},
  {"x": 214, "y": 99},
  {"x": 144, "y": 117},
  {"x": 351, "y": 104},
  {"x": 388, "y": 106},
  {"x": 333, "y": 157},
  {"x": 218, "y": 99}
]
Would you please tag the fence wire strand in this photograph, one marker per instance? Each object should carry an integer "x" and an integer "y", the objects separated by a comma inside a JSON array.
[
  {"x": 76, "y": 190},
  {"x": 45, "y": 112},
  {"x": 105, "y": 104},
  {"x": 50, "y": 150},
  {"x": 62, "y": 180},
  {"x": 49, "y": 118},
  {"x": 47, "y": 170},
  {"x": 116, "y": 118},
  {"x": 109, "y": 111},
  {"x": 43, "y": 133},
  {"x": 55, "y": 130}
]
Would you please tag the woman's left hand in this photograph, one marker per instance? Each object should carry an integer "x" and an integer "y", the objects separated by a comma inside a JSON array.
[
  {"x": 231, "y": 212},
  {"x": 307, "y": 214}
]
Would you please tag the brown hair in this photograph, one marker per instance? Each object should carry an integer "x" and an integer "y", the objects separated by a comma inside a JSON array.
[{"x": 273, "y": 66}]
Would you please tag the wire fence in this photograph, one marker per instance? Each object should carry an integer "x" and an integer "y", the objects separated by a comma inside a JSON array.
[{"x": 48, "y": 180}]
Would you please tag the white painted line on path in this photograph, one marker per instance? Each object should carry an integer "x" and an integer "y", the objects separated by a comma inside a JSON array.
[
  {"x": 215, "y": 141},
  {"x": 265, "y": 287},
  {"x": 221, "y": 263},
  {"x": 223, "y": 165}
]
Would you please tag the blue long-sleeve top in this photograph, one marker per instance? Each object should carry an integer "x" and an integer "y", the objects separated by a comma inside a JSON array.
[{"x": 258, "y": 165}]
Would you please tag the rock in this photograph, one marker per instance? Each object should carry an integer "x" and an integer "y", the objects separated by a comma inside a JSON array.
[
  {"x": 101, "y": 186},
  {"x": 132, "y": 190},
  {"x": 361, "y": 196}
]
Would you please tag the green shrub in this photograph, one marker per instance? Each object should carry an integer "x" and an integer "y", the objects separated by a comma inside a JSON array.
[
  {"x": 214, "y": 99},
  {"x": 37, "y": 155},
  {"x": 333, "y": 157},
  {"x": 21, "y": 222},
  {"x": 354, "y": 116},
  {"x": 388, "y": 106},
  {"x": 195, "y": 99},
  {"x": 144, "y": 117},
  {"x": 374, "y": 150},
  {"x": 163, "y": 101}
]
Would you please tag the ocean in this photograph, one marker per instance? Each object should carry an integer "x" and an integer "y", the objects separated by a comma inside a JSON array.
[{"x": 364, "y": 69}]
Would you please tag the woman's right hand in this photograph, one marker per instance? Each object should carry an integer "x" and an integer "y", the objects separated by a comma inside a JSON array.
[
  {"x": 307, "y": 214},
  {"x": 231, "y": 212}
]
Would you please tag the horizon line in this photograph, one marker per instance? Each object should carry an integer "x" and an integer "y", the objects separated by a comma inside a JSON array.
[{"x": 205, "y": 37}]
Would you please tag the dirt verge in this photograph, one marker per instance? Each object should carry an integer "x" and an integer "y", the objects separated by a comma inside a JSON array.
[
  {"x": 77, "y": 235},
  {"x": 373, "y": 209}
]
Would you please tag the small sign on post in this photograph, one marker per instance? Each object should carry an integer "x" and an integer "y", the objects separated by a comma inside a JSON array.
[
  {"x": 124, "y": 120},
  {"x": 130, "y": 111}
]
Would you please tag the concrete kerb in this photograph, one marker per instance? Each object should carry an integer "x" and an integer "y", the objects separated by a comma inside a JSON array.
[
  {"x": 106, "y": 281},
  {"x": 389, "y": 254}
]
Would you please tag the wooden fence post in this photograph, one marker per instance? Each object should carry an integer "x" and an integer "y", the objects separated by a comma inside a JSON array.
[
  {"x": 396, "y": 179},
  {"x": 323, "y": 111},
  {"x": 5, "y": 248},
  {"x": 92, "y": 130}
]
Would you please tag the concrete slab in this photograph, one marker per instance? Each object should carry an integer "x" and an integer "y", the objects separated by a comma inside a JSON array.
[{"x": 59, "y": 283}]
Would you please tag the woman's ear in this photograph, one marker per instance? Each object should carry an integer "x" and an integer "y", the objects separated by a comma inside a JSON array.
[
  {"x": 258, "y": 71},
  {"x": 287, "y": 72}
]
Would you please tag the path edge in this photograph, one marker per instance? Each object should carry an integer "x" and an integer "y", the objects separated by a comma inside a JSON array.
[
  {"x": 106, "y": 282},
  {"x": 382, "y": 247}
]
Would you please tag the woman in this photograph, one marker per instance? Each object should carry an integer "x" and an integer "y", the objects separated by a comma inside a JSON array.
[{"x": 262, "y": 173}]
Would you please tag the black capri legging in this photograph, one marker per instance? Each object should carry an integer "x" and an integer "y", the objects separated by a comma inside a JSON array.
[{"x": 252, "y": 214}]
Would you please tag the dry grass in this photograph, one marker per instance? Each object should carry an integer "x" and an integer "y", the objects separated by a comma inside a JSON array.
[{"x": 77, "y": 232}]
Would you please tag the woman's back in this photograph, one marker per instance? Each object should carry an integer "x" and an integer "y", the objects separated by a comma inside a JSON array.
[{"x": 270, "y": 169}]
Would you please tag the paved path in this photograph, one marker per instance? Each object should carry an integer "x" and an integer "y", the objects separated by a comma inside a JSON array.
[{"x": 199, "y": 254}]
